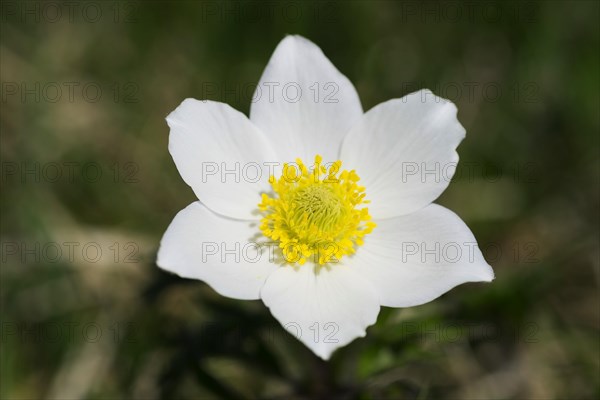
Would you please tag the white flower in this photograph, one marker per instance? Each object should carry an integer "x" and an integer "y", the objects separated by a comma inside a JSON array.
[{"x": 402, "y": 251}]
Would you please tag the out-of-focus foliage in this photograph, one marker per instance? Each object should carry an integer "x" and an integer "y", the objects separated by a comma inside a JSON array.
[{"x": 525, "y": 78}]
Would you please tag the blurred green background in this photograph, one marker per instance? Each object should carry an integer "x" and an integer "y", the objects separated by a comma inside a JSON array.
[{"x": 88, "y": 189}]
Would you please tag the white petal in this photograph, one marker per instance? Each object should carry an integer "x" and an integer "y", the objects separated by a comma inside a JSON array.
[
  {"x": 404, "y": 151},
  {"x": 221, "y": 155},
  {"x": 324, "y": 307},
  {"x": 222, "y": 252},
  {"x": 415, "y": 258},
  {"x": 303, "y": 103}
]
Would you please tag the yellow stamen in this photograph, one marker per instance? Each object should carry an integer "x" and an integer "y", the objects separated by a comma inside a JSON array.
[{"x": 316, "y": 213}]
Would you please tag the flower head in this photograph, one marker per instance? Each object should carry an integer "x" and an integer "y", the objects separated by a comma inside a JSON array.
[{"x": 323, "y": 245}]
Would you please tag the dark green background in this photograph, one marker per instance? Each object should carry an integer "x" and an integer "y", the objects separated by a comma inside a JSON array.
[{"x": 525, "y": 78}]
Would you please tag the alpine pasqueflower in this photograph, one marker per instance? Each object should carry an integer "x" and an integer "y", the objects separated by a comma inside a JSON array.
[{"x": 323, "y": 245}]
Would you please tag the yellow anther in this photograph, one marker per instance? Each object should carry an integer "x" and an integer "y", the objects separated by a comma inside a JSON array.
[{"x": 315, "y": 213}]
